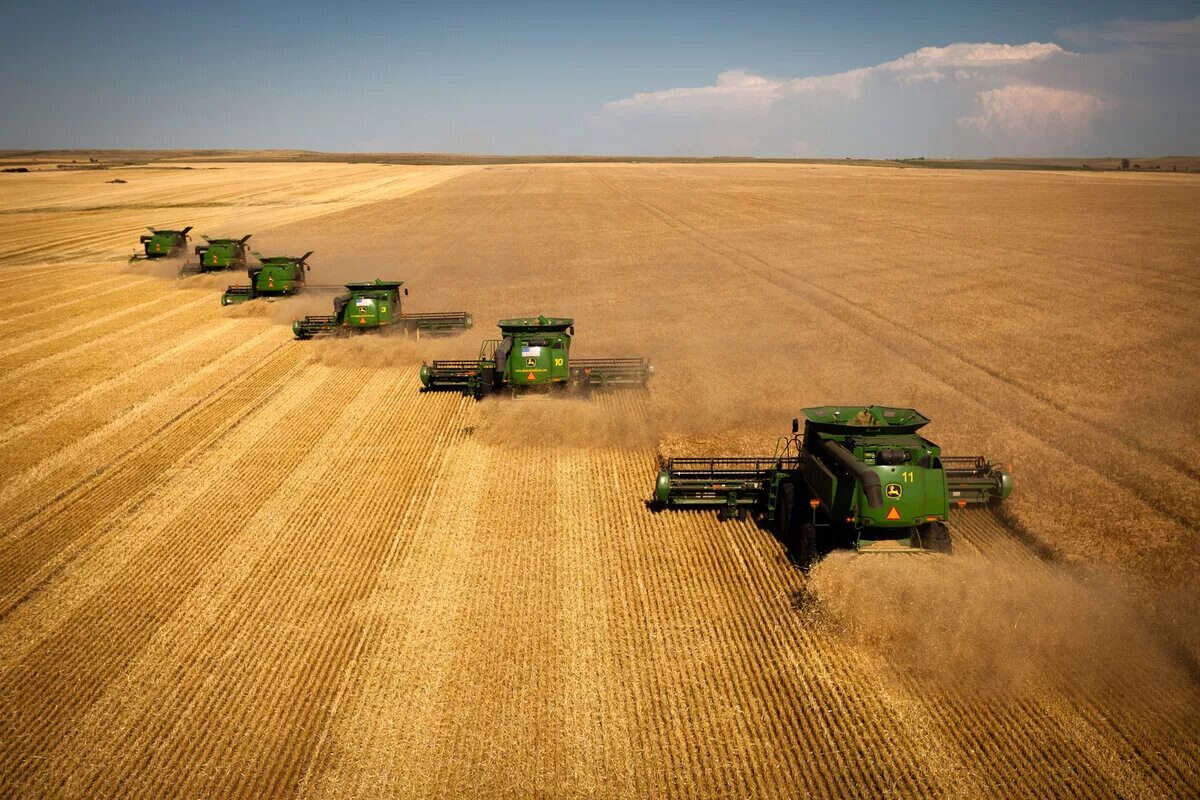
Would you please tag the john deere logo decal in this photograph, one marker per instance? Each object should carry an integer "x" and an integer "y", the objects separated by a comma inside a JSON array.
[{"x": 894, "y": 490}]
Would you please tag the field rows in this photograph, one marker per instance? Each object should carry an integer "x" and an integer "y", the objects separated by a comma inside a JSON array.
[
  {"x": 1164, "y": 481},
  {"x": 235, "y": 565},
  {"x": 37, "y": 224}
]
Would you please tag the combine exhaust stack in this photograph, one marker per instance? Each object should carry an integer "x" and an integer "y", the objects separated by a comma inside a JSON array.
[{"x": 859, "y": 475}]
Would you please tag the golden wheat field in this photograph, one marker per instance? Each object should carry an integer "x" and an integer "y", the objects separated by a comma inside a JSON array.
[{"x": 236, "y": 565}]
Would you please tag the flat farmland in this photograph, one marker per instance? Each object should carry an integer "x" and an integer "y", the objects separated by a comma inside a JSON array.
[{"x": 237, "y": 565}]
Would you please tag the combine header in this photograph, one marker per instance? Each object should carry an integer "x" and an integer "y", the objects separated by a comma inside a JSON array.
[
  {"x": 376, "y": 305},
  {"x": 161, "y": 244},
  {"x": 534, "y": 354},
  {"x": 276, "y": 276},
  {"x": 217, "y": 255},
  {"x": 858, "y": 475}
]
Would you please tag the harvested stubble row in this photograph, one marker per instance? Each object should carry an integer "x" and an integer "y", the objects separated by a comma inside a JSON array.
[{"x": 234, "y": 565}]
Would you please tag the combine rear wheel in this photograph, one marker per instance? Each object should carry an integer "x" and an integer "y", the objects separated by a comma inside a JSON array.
[{"x": 935, "y": 537}]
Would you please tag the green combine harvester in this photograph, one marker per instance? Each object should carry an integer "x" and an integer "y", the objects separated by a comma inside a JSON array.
[
  {"x": 217, "y": 255},
  {"x": 374, "y": 306},
  {"x": 859, "y": 476},
  {"x": 276, "y": 276},
  {"x": 533, "y": 354},
  {"x": 161, "y": 244}
]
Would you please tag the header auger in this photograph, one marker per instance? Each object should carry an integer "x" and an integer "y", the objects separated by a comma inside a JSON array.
[
  {"x": 161, "y": 244},
  {"x": 858, "y": 475},
  {"x": 374, "y": 306},
  {"x": 217, "y": 255},
  {"x": 274, "y": 276},
  {"x": 533, "y": 354}
]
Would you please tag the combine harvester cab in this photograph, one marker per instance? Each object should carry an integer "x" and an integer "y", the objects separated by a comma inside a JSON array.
[
  {"x": 375, "y": 306},
  {"x": 161, "y": 244},
  {"x": 858, "y": 475},
  {"x": 533, "y": 354},
  {"x": 217, "y": 255},
  {"x": 276, "y": 276}
]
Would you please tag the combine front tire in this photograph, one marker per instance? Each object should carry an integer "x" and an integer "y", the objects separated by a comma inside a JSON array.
[
  {"x": 935, "y": 537},
  {"x": 799, "y": 538},
  {"x": 785, "y": 505},
  {"x": 806, "y": 546}
]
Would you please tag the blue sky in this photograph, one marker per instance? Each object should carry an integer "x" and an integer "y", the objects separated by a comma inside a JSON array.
[{"x": 754, "y": 78}]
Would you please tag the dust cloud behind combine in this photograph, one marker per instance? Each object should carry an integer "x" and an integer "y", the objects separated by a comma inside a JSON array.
[
  {"x": 237, "y": 565},
  {"x": 555, "y": 422},
  {"x": 988, "y": 627}
]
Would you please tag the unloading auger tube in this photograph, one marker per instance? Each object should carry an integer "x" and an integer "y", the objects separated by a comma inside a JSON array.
[{"x": 872, "y": 486}]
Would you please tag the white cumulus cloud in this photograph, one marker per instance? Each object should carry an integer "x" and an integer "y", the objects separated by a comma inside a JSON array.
[
  {"x": 734, "y": 87},
  {"x": 739, "y": 88},
  {"x": 963, "y": 54},
  {"x": 1128, "y": 87},
  {"x": 1036, "y": 113}
]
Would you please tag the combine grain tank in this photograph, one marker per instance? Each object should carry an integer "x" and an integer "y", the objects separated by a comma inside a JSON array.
[
  {"x": 533, "y": 354},
  {"x": 376, "y": 306},
  {"x": 161, "y": 244},
  {"x": 859, "y": 475}
]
